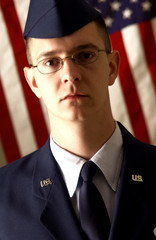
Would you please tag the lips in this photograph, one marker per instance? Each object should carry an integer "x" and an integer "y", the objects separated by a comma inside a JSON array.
[{"x": 73, "y": 96}]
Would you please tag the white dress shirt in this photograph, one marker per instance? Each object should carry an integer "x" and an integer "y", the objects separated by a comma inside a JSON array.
[{"x": 108, "y": 159}]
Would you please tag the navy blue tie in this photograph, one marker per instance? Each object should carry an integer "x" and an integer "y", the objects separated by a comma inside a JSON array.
[{"x": 93, "y": 214}]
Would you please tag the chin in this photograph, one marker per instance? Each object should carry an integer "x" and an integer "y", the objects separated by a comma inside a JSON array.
[{"x": 75, "y": 117}]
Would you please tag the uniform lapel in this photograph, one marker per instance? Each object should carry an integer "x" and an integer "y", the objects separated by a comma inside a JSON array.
[
  {"x": 133, "y": 217},
  {"x": 133, "y": 212},
  {"x": 57, "y": 215}
]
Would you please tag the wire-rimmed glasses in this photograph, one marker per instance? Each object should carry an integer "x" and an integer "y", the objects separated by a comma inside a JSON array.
[{"x": 53, "y": 64}]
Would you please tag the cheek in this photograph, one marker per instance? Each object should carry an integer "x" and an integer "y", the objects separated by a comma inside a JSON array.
[
  {"x": 100, "y": 85},
  {"x": 48, "y": 90},
  {"x": 101, "y": 78}
]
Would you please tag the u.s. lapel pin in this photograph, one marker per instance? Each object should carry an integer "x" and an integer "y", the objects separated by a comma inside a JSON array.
[
  {"x": 45, "y": 182},
  {"x": 137, "y": 178}
]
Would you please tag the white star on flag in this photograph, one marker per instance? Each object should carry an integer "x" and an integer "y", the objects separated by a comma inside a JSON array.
[
  {"x": 146, "y": 6},
  {"x": 134, "y": 1},
  {"x": 127, "y": 13},
  {"x": 115, "y": 6},
  {"x": 101, "y": 1},
  {"x": 109, "y": 21}
]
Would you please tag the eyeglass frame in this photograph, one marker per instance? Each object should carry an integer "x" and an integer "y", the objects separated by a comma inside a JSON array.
[{"x": 68, "y": 57}]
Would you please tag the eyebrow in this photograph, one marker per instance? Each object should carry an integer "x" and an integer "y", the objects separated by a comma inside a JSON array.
[{"x": 55, "y": 52}]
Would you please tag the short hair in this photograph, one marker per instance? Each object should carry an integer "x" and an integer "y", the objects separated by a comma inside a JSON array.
[
  {"x": 28, "y": 53},
  {"x": 101, "y": 26},
  {"x": 100, "y": 23}
]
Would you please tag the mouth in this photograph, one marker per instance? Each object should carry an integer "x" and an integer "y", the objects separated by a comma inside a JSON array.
[{"x": 73, "y": 96}]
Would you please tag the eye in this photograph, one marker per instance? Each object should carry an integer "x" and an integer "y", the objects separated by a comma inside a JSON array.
[
  {"x": 49, "y": 65},
  {"x": 52, "y": 62},
  {"x": 85, "y": 56}
]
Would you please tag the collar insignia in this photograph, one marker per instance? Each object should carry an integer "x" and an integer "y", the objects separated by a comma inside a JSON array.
[
  {"x": 137, "y": 178},
  {"x": 46, "y": 182}
]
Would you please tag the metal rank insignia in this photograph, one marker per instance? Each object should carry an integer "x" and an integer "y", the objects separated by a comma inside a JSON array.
[
  {"x": 154, "y": 231},
  {"x": 137, "y": 178},
  {"x": 46, "y": 182}
]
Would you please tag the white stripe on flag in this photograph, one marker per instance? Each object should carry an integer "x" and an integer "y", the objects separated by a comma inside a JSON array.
[
  {"x": 141, "y": 75},
  {"x": 14, "y": 97},
  {"x": 22, "y": 10},
  {"x": 119, "y": 108}
]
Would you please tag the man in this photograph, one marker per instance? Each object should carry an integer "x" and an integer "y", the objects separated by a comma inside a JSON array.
[{"x": 71, "y": 68}]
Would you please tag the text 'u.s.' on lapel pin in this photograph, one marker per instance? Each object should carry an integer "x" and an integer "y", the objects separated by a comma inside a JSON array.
[
  {"x": 137, "y": 178},
  {"x": 45, "y": 182}
]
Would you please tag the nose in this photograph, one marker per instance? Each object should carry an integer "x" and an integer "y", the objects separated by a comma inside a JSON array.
[{"x": 70, "y": 71}]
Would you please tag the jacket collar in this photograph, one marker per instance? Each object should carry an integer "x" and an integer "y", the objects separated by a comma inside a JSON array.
[
  {"x": 133, "y": 206},
  {"x": 132, "y": 210},
  {"x": 58, "y": 215}
]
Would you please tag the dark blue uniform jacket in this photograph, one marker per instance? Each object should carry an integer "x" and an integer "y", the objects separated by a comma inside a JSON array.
[{"x": 31, "y": 212}]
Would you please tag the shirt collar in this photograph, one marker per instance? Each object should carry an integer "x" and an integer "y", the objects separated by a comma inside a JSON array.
[{"x": 108, "y": 159}]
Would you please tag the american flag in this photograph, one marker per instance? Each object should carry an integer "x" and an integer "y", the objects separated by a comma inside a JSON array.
[{"x": 24, "y": 124}]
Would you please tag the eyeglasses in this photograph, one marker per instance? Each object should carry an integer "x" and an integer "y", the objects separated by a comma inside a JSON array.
[{"x": 81, "y": 57}]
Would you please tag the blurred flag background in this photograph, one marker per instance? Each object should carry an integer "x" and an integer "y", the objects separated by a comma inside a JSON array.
[{"x": 23, "y": 120}]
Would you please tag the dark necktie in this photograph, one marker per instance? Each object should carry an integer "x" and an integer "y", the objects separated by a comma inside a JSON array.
[{"x": 93, "y": 214}]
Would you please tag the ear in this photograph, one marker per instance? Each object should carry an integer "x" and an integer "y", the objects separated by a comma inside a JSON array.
[
  {"x": 114, "y": 62},
  {"x": 30, "y": 78}
]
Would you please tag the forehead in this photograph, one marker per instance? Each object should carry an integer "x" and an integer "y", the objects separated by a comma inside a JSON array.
[{"x": 86, "y": 35}]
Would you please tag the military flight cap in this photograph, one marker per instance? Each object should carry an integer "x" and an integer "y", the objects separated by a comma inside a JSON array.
[{"x": 57, "y": 18}]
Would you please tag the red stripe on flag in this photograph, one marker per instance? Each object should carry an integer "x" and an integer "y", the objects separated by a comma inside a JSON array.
[
  {"x": 7, "y": 131},
  {"x": 33, "y": 105},
  {"x": 149, "y": 47},
  {"x": 129, "y": 91}
]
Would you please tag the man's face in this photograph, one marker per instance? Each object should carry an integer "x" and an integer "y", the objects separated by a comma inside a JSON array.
[{"x": 75, "y": 92}]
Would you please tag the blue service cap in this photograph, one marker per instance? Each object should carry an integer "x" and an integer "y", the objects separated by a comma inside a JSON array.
[{"x": 57, "y": 18}]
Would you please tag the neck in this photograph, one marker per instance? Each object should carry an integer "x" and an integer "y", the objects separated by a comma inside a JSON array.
[{"x": 82, "y": 138}]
